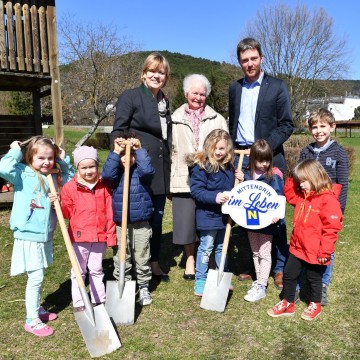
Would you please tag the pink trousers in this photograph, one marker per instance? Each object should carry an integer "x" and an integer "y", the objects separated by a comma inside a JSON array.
[
  {"x": 261, "y": 249},
  {"x": 89, "y": 256}
]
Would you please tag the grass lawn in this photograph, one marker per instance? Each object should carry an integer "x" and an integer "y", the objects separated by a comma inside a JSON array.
[{"x": 174, "y": 326}]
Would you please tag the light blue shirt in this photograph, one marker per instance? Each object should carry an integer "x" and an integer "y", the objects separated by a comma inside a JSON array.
[{"x": 249, "y": 96}]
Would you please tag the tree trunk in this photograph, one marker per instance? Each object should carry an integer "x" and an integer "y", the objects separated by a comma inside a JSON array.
[{"x": 90, "y": 132}]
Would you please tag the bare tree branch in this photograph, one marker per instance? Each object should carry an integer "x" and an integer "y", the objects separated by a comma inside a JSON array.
[
  {"x": 98, "y": 66},
  {"x": 299, "y": 47}
]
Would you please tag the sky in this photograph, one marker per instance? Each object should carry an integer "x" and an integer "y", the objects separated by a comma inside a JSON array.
[{"x": 208, "y": 29}]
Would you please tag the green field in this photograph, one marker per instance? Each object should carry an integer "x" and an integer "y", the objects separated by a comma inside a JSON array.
[{"x": 174, "y": 326}]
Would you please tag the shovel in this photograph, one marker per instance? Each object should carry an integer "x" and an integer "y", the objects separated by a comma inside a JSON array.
[
  {"x": 120, "y": 295},
  {"x": 95, "y": 325},
  {"x": 218, "y": 282}
]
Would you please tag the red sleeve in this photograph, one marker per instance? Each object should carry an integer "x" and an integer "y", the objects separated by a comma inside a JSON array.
[
  {"x": 331, "y": 218},
  {"x": 110, "y": 226},
  {"x": 66, "y": 200},
  {"x": 291, "y": 191}
]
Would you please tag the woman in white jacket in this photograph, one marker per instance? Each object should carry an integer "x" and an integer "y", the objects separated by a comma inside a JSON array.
[{"x": 191, "y": 123}]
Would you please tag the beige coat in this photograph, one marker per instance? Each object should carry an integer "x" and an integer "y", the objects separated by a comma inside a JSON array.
[{"x": 183, "y": 143}]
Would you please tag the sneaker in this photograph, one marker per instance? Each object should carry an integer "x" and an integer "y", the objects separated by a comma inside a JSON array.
[
  {"x": 145, "y": 296},
  {"x": 312, "y": 311},
  {"x": 38, "y": 328},
  {"x": 45, "y": 315},
  {"x": 252, "y": 286},
  {"x": 324, "y": 300},
  {"x": 256, "y": 293},
  {"x": 199, "y": 287},
  {"x": 282, "y": 308}
]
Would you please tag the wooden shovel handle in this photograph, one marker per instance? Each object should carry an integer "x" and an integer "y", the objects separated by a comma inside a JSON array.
[
  {"x": 242, "y": 153},
  {"x": 124, "y": 218},
  {"x": 65, "y": 235}
]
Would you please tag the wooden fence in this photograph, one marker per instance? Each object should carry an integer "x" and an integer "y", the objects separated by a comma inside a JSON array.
[{"x": 24, "y": 32}]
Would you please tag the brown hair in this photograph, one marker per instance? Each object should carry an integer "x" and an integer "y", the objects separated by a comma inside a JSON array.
[
  {"x": 248, "y": 44},
  {"x": 261, "y": 151},
  {"x": 205, "y": 158},
  {"x": 313, "y": 172},
  {"x": 156, "y": 61},
  {"x": 321, "y": 115}
]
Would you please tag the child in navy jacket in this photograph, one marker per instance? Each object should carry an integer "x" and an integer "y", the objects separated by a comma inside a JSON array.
[
  {"x": 212, "y": 174},
  {"x": 140, "y": 209}
]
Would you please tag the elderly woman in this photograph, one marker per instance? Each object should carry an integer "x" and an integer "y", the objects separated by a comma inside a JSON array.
[
  {"x": 145, "y": 110},
  {"x": 191, "y": 123}
]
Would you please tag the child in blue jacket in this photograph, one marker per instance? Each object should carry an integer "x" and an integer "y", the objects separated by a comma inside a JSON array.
[
  {"x": 212, "y": 174},
  {"x": 33, "y": 220},
  {"x": 140, "y": 209}
]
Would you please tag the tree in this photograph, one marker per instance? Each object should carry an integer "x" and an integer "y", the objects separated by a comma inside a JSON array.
[
  {"x": 357, "y": 113},
  {"x": 99, "y": 66},
  {"x": 300, "y": 47},
  {"x": 19, "y": 103}
]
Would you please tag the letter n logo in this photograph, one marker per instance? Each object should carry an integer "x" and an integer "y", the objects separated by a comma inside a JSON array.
[{"x": 252, "y": 217}]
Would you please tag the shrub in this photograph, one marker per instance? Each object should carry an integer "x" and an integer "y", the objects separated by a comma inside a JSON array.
[{"x": 101, "y": 141}]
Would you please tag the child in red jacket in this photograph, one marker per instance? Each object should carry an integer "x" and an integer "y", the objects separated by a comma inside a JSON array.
[
  {"x": 87, "y": 202},
  {"x": 317, "y": 221}
]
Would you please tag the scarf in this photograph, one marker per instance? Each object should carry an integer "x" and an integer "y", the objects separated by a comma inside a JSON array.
[{"x": 195, "y": 117}]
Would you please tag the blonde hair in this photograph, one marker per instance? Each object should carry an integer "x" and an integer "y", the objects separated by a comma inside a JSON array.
[
  {"x": 261, "y": 150},
  {"x": 31, "y": 146},
  {"x": 205, "y": 158},
  {"x": 313, "y": 172},
  {"x": 156, "y": 61},
  {"x": 321, "y": 115}
]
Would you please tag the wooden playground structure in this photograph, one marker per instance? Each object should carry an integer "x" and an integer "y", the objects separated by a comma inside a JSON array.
[{"x": 29, "y": 63}]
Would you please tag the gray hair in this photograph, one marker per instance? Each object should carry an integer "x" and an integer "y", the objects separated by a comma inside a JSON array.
[{"x": 197, "y": 79}]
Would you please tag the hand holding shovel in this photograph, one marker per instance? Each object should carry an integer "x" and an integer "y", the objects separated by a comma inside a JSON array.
[{"x": 120, "y": 302}]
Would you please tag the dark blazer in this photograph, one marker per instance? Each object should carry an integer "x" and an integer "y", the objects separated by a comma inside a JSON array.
[
  {"x": 273, "y": 117},
  {"x": 137, "y": 109}
]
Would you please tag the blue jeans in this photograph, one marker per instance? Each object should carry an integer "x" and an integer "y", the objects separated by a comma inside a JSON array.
[
  {"x": 156, "y": 226},
  {"x": 209, "y": 239},
  {"x": 328, "y": 272}
]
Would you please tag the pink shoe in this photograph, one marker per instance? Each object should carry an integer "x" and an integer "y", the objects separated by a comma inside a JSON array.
[
  {"x": 38, "y": 328},
  {"x": 45, "y": 315}
]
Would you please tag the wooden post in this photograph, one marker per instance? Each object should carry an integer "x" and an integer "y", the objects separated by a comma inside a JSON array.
[
  {"x": 3, "y": 51},
  {"x": 37, "y": 111},
  {"x": 55, "y": 75}
]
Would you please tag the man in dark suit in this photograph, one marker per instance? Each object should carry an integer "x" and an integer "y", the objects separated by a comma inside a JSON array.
[{"x": 260, "y": 108}]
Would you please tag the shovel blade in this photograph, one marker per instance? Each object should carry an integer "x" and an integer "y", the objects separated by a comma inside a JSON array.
[
  {"x": 215, "y": 295},
  {"x": 102, "y": 338},
  {"x": 121, "y": 309}
]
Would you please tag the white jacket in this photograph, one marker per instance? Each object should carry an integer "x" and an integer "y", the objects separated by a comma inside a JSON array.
[{"x": 183, "y": 143}]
